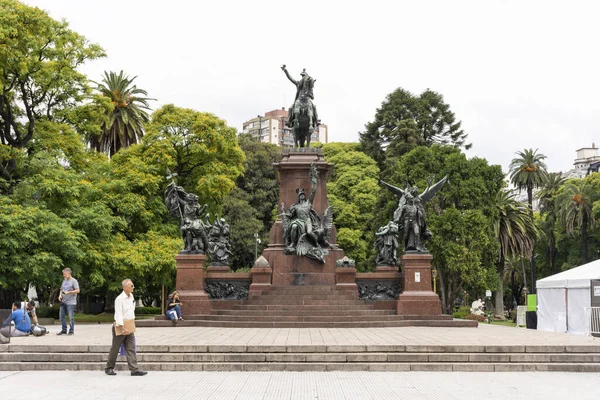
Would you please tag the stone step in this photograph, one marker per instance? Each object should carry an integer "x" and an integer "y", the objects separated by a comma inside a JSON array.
[
  {"x": 302, "y": 302},
  {"x": 311, "y": 307},
  {"x": 372, "y": 357},
  {"x": 270, "y": 296},
  {"x": 298, "y": 312},
  {"x": 300, "y": 318},
  {"x": 593, "y": 349},
  {"x": 357, "y": 323},
  {"x": 121, "y": 366}
]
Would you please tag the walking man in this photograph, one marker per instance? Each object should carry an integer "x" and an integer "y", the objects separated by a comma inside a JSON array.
[
  {"x": 122, "y": 331},
  {"x": 68, "y": 300}
]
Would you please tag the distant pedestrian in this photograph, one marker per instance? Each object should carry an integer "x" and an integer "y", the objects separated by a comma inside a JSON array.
[
  {"x": 123, "y": 331},
  {"x": 68, "y": 300}
]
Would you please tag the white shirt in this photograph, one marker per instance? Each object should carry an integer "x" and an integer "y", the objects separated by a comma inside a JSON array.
[{"x": 124, "y": 308}]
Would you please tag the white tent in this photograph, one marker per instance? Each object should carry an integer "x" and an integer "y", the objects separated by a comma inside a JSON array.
[{"x": 562, "y": 299}]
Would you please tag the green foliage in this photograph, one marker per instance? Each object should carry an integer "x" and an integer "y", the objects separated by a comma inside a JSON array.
[
  {"x": 460, "y": 216},
  {"x": 405, "y": 121},
  {"x": 148, "y": 310},
  {"x": 39, "y": 57},
  {"x": 124, "y": 124},
  {"x": 48, "y": 311},
  {"x": 352, "y": 191},
  {"x": 462, "y": 312},
  {"x": 244, "y": 222},
  {"x": 528, "y": 171},
  {"x": 199, "y": 147}
]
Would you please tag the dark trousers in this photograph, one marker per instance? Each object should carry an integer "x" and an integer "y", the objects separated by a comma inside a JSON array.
[{"x": 129, "y": 342}]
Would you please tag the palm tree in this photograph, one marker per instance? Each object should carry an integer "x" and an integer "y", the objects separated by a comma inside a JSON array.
[
  {"x": 126, "y": 121},
  {"x": 546, "y": 196},
  {"x": 516, "y": 232},
  {"x": 528, "y": 172},
  {"x": 574, "y": 207}
]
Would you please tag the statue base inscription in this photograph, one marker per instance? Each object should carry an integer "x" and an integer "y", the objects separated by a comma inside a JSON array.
[
  {"x": 190, "y": 284},
  {"x": 417, "y": 297}
]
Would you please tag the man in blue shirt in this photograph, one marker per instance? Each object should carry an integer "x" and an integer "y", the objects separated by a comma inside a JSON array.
[{"x": 20, "y": 318}]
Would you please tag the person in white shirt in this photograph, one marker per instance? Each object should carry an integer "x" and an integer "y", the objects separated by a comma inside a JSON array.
[{"x": 124, "y": 311}]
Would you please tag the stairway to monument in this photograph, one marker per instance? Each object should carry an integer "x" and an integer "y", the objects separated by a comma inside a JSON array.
[
  {"x": 307, "y": 306},
  {"x": 469, "y": 358}
]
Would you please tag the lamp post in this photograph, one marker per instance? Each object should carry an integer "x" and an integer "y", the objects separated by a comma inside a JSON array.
[{"x": 434, "y": 273}]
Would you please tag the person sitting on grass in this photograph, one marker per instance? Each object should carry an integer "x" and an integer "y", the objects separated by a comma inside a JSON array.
[
  {"x": 174, "y": 308},
  {"x": 21, "y": 320}
]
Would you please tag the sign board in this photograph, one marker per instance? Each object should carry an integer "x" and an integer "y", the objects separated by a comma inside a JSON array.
[
  {"x": 417, "y": 277},
  {"x": 488, "y": 293},
  {"x": 595, "y": 292},
  {"x": 531, "y": 302}
]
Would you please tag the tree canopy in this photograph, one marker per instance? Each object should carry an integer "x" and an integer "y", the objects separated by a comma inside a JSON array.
[
  {"x": 39, "y": 57},
  {"x": 405, "y": 121}
]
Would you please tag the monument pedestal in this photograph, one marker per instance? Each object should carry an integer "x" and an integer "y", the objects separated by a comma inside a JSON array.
[
  {"x": 261, "y": 276},
  {"x": 417, "y": 297},
  {"x": 345, "y": 279},
  {"x": 190, "y": 284}
]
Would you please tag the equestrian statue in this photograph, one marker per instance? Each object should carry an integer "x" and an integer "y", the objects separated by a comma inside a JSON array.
[{"x": 302, "y": 115}]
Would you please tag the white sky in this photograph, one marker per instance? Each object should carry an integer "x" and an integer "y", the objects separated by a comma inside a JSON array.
[{"x": 518, "y": 74}]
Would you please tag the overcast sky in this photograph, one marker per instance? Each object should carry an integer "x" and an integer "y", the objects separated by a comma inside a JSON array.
[{"x": 518, "y": 74}]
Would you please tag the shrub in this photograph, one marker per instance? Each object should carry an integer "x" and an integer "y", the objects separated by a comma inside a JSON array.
[
  {"x": 148, "y": 310},
  {"x": 48, "y": 311},
  {"x": 462, "y": 312}
]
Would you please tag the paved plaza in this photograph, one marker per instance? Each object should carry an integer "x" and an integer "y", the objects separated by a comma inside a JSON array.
[
  {"x": 88, "y": 385},
  {"x": 355, "y": 385},
  {"x": 484, "y": 335}
]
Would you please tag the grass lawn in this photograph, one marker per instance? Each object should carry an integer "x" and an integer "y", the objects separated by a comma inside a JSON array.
[{"x": 500, "y": 322}]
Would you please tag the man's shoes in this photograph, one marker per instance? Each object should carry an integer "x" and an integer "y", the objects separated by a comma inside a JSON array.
[
  {"x": 71, "y": 333},
  {"x": 138, "y": 373},
  {"x": 175, "y": 322},
  {"x": 109, "y": 371},
  {"x": 181, "y": 319},
  {"x": 61, "y": 333}
]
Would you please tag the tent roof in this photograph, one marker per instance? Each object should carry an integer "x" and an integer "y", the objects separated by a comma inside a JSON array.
[{"x": 575, "y": 277}]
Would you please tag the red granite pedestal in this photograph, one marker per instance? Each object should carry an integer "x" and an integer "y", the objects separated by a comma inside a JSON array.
[
  {"x": 417, "y": 297},
  {"x": 293, "y": 173},
  {"x": 190, "y": 284}
]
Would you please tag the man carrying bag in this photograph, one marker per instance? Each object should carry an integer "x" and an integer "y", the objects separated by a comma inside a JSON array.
[{"x": 123, "y": 331}]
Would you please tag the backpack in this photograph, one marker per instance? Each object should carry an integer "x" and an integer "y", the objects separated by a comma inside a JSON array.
[{"x": 37, "y": 330}]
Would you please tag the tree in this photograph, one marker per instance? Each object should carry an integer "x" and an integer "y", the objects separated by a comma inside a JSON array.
[
  {"x": 516, "y": 233},
  {"x": 39, "y": 58},
  {"x": 125, "y": 125},
  {"x": 460, "y": 216},
  {"x": 547, "y": 196},
  {"x": 405, "y": 121},
  {"x": 528, "y": 172},
  {"x": 575, "y": 204},
  {"x": 352, "y": 192},
  {"x": 199, "y": 147}
]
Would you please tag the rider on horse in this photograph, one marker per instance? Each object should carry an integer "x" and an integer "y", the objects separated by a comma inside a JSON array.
[{"x": 302, "y": 102}]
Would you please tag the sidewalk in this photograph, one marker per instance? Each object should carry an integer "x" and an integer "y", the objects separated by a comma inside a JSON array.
[{"x": 300, "y": 385}]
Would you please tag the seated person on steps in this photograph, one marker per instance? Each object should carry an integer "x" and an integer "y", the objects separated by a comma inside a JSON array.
[{"x": 174, "y": 308}]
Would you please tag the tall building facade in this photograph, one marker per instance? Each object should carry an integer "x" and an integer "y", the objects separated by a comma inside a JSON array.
[{"x": 272, "y": 128}]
